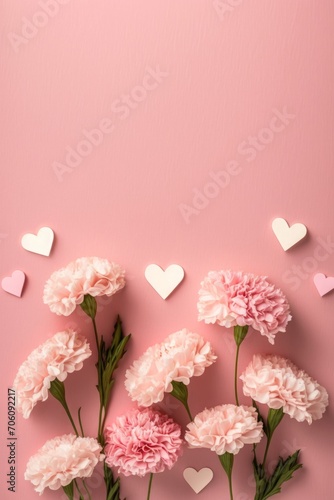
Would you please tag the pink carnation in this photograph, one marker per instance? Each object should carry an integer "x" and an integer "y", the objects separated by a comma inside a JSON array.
[
  {"x": 179, "y": 357},
  {"x": 61, "y": 354},
  {"x": 234, "y": 298},
  {"x": 66, "y": 288},
  {"x": 224, "y": 429},
  {"x": 142, "y": 442},
  {"x": 61, "y": 460},
  {"x": 278, "y": 383}
]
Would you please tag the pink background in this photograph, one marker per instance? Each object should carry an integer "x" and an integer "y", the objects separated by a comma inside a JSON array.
[{"x": 225, "y": 72}]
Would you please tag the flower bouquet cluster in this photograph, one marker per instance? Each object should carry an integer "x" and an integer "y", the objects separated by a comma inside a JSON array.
[
  {"x": 65, "y": 461},
  {"x": 239, "y": 300},
  {"x": 145, "y": 441}
]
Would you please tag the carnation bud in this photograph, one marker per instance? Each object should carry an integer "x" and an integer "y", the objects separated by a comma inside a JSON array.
[
  {"x": 240, "y": 333},
  {"x": 89, "y": 306}
]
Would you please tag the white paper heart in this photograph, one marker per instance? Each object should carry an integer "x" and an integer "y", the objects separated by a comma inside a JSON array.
[
  {"x": 164, "y": 281},
  {"x": 40, "y": 243},
  {"x": 288, "y": 236},
  {"x": 198, "y": 480}
]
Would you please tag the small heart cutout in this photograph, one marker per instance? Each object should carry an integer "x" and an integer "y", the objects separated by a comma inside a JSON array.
[
  {"x": 198, "y": 480},
  {"x": 165, "y": 281},
  {"x": 288, "y": 236},
  {"x": 14, "y": 284},
  {"x": 40, "y": 243},
  {"x": 323, "y": 283}
]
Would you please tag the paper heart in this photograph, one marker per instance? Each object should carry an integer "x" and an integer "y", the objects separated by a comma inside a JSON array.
[
  {"x": 323, "y": 283},
  {"x": 14, "y": 284},
  {"x": 40, "y": 243},
  {"x": 164, "y": 281},
  {"x": 198, "y": 480},
  {"x": 287, "y": 235}
]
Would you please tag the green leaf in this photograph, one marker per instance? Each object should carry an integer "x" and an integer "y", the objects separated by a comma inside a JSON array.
[
  {"x": 68, "y": 489},
  {"x": 260, "y": 480},
  {"x": 283, "y": 472},
  {"x": 114, "y": 492},
  {"x": 112, "y": 487},
  {"x": 89, "y": 306},
  {"x": 118, "y": 353},
  {"x": 118, "y": 333},
  {"x": 109, "y": 358},
  {"x": 268, "y": 487}
]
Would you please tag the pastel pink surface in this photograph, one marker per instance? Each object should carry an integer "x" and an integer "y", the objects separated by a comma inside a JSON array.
[
  {"x": 323, "y": 283},
  {"x": 246, "y": 98},
  {"x": 14, "y": 284}
]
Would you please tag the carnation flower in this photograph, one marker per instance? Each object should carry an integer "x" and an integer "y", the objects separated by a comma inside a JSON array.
[
  {"x": 61, "y": 354},
  {"x": 179, "y": 357},
  {"x": 142, "y": 442},
  {"x": 278, "y": 383},
  {"x": 224, "y": 429},
  {"x": 231, "y": 299},
  {"x": 61, "y": 460},
  {"x": 66, "y": 288}
]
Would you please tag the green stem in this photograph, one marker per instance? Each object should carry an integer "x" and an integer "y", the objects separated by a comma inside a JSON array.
[
  {"x": 87, "y": 490},
  {"x": 66, "y": 408},
  {"x": 81, "y": 497},
  {"x": 188, "y": 411},
  {"x": 240, "y": 333},
  {"x": 266, "y": 450},
  {"x": 236, "y": 375},
  {"x": 80, "y": 422},
  {"x": 57, "y": 389},
  {"x": 100, "y": 429},
  {"x": 230, "y": 487},
  {"x": 273, "y": 420},
  {"x": 227, "y": 460},
  {"x": 104, "y": 422},
  {"x": 99, "y": 373},
  {"x": 96, "y": 335},
  {"x": 149, "y": 487}
]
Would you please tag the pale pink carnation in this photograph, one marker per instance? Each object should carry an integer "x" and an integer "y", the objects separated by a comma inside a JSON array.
[
  {"x": 179, "y": 357},
  {"x": 278, "y": 383},
  {"x": 142, "y": 442},
  {"x": 231, "y": 298},
  {"x": 61, "y": 354},
  {"x": 67, "y": 287},
  {"x": 224, "y": 429},
  {"x": 61, "y": 460}
]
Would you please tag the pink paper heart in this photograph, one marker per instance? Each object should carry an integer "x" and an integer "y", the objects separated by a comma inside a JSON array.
[
  {"x": 323, "y": 284},
  {"x": 14, "y": 284}
]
